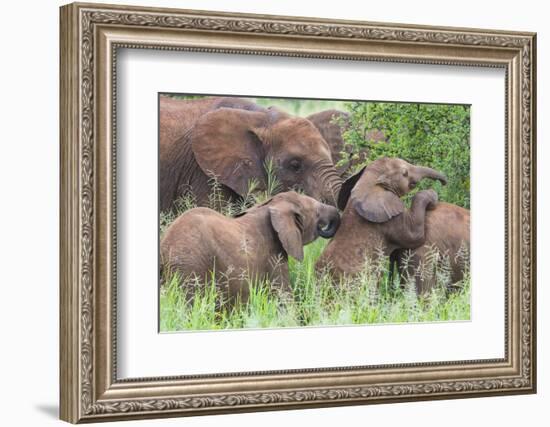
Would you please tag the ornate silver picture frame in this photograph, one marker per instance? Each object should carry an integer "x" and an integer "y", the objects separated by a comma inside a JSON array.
[{"x": 91, "y": 36}]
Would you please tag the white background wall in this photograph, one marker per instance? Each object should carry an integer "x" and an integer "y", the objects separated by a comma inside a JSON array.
[{"x": 29, "y": 170}]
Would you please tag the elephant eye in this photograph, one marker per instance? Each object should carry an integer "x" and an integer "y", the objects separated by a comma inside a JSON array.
[{"x": 295, "y": 165}]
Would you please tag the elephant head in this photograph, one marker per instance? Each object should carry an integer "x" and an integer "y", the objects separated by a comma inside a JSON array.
[
  {"x": 376, "y": 189},
  {"x": 375, "y": 220},
  {"x": 234, "y": 145},
  {"x": 299, "y": 220}
]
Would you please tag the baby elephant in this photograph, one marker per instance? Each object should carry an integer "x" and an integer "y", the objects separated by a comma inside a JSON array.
[
  {"x": 375, "y": 221},
  {"x": 255, "y": 245},
  {"x": 448, "y": 233}
]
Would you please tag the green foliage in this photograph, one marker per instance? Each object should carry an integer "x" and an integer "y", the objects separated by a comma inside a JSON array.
[{"x": 434, "y": 135}]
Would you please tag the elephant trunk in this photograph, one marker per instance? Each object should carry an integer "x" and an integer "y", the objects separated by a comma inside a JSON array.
[
  {"x": 328, "y": 224},
  {"x": 330, "y": 181},
  {"x": 421, "y": 172}
]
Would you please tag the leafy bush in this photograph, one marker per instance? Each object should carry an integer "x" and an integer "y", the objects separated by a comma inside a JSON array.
[{"x": 434, "y": 135}]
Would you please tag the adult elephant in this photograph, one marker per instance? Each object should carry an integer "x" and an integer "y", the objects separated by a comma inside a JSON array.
[
  {"x": 232, "y": 140},
  {"x": 375, "y": 221},
  {"x": 332, "y": 124},
  {"x": 447, "y": 246}
]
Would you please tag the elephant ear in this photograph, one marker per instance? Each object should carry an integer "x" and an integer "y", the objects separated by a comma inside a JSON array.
[
  {"x": 376, "y": 204},
  {"x": 227, "y": 145},
  {"x": 284, "y": 221},
  {"x": 345, "y": 190}
]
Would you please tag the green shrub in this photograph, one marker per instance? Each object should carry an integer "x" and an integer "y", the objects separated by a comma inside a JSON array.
[{"x": 434, "y": 135}]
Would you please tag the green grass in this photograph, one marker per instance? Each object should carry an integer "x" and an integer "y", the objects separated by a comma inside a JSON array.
[{"x": 315, "y": 301}]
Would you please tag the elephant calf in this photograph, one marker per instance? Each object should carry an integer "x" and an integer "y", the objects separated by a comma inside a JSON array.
[
  {"x": 375, "y": 220},
  {"x": 448, "y": 233},
  {"x": 254, "y": 245}
]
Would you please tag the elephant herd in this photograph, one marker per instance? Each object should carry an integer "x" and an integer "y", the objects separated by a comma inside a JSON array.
[{"x": 229, "y": 142}]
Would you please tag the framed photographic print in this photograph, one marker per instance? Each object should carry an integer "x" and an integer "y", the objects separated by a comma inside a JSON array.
[{"x": 266, "y": 212}]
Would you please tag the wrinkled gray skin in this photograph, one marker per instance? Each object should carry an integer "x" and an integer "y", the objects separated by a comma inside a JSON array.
[
  {"x": 447, "y": 231},
  {"x": 255, "y": 244},
  {"x": 375, "y": 221},
  {"x": 232, "y": 140}
]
